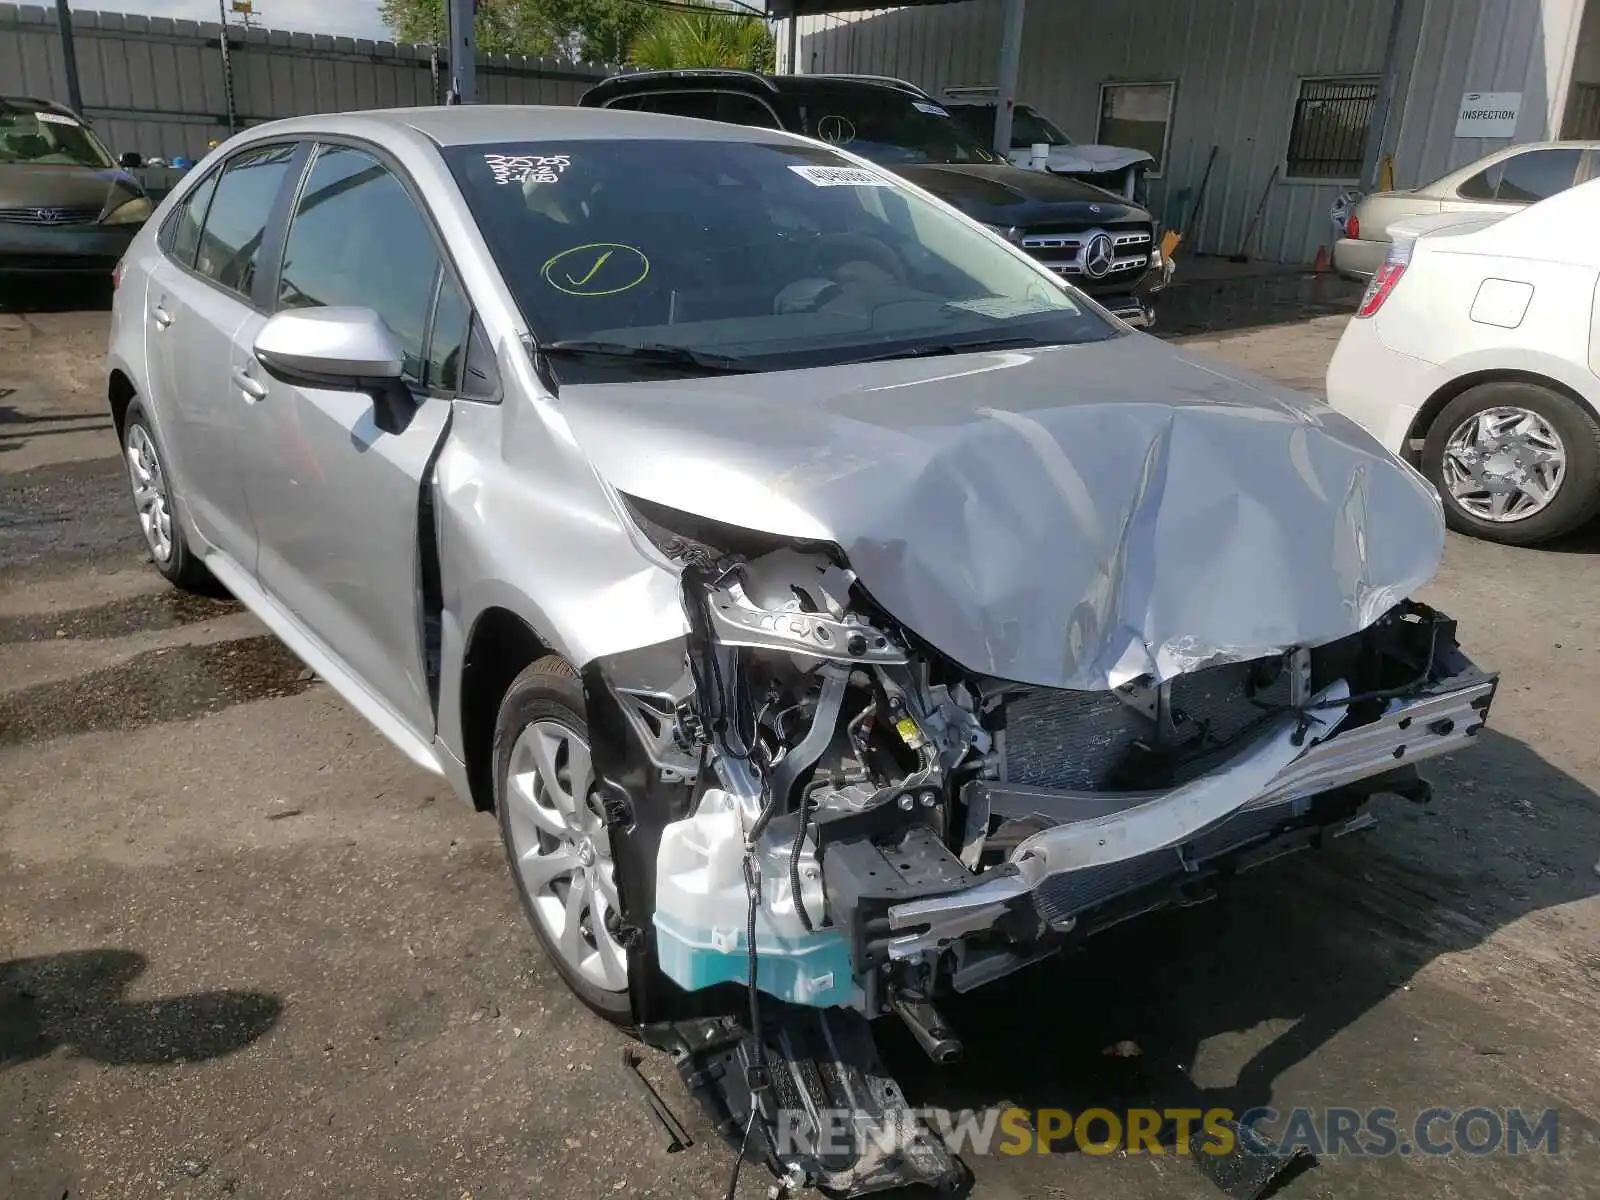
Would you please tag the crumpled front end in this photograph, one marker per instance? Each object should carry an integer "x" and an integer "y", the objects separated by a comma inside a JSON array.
[
  {"x": 962, "y": 684},
  {"x": 908, "y": 827},
  {"x": 822, "y": 804}
]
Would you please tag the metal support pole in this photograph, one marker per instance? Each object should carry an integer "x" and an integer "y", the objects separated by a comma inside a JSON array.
[
  {"x": 227, "y": 69},
  {"x": 794, "y": 43},
  {"x": 1006, "y": 93},
  {"x": 463, "y": 53},
  {"x": 1372, "y": 152},
  {"x": 69, "y": 56}
]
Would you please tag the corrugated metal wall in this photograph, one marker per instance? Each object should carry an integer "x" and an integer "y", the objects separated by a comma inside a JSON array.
[
  {"x": 156, "y": 85},
  {"x": 1237, "y": 66}
]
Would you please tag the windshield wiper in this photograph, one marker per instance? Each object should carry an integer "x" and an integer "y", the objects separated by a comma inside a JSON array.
[
  {"x": 938, "y": 349},
  {"x": 655, "y": 353}
]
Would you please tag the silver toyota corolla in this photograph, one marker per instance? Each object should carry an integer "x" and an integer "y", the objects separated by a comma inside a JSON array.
[{"x": 822, "y": 594}]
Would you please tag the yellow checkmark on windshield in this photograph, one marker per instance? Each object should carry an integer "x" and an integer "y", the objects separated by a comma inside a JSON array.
[
  {"x": 598, "y": 263},
  {"x": 613, "y": 267}
]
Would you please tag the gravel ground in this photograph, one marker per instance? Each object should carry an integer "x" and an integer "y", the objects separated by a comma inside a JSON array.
[{"x": 246, "y": 949}]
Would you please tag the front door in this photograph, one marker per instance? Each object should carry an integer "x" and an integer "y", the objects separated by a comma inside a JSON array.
[{"x": 335, "y": 477}]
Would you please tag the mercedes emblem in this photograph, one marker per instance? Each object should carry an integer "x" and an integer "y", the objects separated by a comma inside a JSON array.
[{"x": 1098, "y": 256}]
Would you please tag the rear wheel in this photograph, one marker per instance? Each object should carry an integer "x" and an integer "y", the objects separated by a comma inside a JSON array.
[
  {"x": 153, "y": 501},
  {"x": 1515, "y": 462},
  {"x": 555, "y": 834}
]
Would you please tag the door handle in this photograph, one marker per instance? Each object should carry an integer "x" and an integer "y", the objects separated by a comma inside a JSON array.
[
  {"x": 161, "y": 316},
  {"x": 249, "y": 384}
]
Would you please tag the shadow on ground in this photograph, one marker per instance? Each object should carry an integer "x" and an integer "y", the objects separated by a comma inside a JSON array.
[
  {"x": 75, "y": 1001},
  {"x": 1312, "y": 943},
  {"x": 1228, "y": 304},
  {"x": 55, "y": 293}
]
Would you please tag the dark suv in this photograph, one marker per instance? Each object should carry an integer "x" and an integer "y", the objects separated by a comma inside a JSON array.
[{"x": 1106, "y": 245}]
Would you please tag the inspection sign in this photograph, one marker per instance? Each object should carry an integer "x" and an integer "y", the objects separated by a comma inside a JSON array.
[{"x": 1488, "y": 115}]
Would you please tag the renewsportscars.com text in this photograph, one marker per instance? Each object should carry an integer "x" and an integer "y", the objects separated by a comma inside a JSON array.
[{"x": 1371, "y": 1132}]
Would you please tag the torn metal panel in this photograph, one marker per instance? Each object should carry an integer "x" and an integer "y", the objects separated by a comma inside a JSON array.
[{"x": 1072, "y": 517}]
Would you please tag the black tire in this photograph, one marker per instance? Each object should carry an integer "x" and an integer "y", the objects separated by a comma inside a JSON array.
[
  {"x": 181, "y": 567},
  {"x": 548, "y": 690},
  {"x": 1577, "y": 502}
]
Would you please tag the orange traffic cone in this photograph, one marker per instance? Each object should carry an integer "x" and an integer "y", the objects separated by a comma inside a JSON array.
[{"x": 1322, "y": 263}]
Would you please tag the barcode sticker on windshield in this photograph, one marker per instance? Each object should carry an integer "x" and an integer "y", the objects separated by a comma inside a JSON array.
[
  {"x": 840, "y": 176},
  {"x": 934, "y": 109}
]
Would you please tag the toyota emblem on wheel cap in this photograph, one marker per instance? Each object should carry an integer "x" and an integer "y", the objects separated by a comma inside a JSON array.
[{"x": 1097, "y": 257}]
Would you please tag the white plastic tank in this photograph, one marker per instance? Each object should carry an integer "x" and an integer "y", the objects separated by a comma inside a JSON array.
[{"x": 702, "y": 911}]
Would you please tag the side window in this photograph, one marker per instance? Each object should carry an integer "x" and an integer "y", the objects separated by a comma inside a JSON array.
[
  {"x": 1482, "y": 185},
  {"x": 630, "y": 103},
  {"x": 181, "y": 236},
  {"x": 236, "y": 222},
  {"x": 358, "y": 239},
  {"x": 744, "y": 110},
  {"x": 447, "y": 345},
  {"x": 1538, "y": 175},
  {"x": 683, "y": 104}
]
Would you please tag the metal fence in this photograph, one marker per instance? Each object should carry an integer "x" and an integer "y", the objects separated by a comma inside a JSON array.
[{"x": 165, "y": 87}]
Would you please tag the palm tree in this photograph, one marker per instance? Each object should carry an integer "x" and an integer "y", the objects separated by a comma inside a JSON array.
[{"x": 676, "y": 39}]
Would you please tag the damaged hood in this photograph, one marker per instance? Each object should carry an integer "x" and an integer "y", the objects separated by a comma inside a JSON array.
[
  {"x": 1072, "y": 516},
  {"x": 1086, "y": 160}
]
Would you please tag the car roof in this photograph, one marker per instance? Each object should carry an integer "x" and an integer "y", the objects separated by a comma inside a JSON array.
[
  {"x": 479, "y": 124},
  {"x": 35, "y": 102},
  {"x": 1459, "y": 175},
  {"x": 755, "y": 82}
]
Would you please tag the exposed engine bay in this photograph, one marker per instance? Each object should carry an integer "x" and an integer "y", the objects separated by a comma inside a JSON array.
[{"x": 823, "y": 802}]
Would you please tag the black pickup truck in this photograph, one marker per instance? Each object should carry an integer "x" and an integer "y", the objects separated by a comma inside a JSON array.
[{"x": 1104, "y": 244}]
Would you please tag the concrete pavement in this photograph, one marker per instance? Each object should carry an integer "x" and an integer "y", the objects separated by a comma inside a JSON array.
[{"x": 247, "y": 950}]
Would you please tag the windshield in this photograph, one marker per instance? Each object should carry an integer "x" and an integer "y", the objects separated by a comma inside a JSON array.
[
  {"x": 888, "y": 127},
  {"x": 753, "y": 255},
  {"x": 29, "y": 135},
  {"x": 1029, "y": 128}
]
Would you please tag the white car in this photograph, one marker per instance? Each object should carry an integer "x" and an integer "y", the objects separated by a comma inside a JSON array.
[{"x": 1474, "y": 355}]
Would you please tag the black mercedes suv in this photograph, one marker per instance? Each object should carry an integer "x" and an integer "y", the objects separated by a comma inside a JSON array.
[{"x": 1104, "y": 244}]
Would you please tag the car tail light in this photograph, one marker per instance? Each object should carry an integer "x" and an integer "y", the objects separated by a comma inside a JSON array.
[
  {"x": 1386, "y": 279},
  {"x": 116, "y": 276},
  {"x": 1352, "y": 226}
]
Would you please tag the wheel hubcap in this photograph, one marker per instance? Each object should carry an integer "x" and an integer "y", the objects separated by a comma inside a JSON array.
[
  {"x": 563, "y": 852},
  {"x": 150, "y": 493},
  {"x": 1504, "y": 464}
]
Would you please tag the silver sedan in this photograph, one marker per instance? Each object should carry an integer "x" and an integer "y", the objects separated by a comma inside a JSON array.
[{"x": 834, "y": 606}]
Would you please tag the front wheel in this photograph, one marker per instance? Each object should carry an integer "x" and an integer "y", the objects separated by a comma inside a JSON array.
[
  {"x": 555, "y": 835},
  {"x": 1515, "y": 462}
]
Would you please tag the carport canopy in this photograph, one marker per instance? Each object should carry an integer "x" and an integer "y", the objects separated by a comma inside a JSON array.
[{"x": 1011, "y": 55}]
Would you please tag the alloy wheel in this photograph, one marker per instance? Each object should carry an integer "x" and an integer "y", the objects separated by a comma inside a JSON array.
[
  {"x": 150, "y": 496},
  {"x": 563, "y": 852}
]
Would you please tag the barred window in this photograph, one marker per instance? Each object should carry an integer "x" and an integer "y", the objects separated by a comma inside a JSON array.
[{"x": 1328, "y": 138}]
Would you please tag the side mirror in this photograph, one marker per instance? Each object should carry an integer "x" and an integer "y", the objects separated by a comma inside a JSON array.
[
  {"x": 349, "y": 348},
  {"x": 131, "y": 161}
]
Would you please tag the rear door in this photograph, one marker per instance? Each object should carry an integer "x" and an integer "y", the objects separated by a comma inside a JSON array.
[
  {"x": 335, "y": 477},
  {"x": 201, "y": 292}
]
